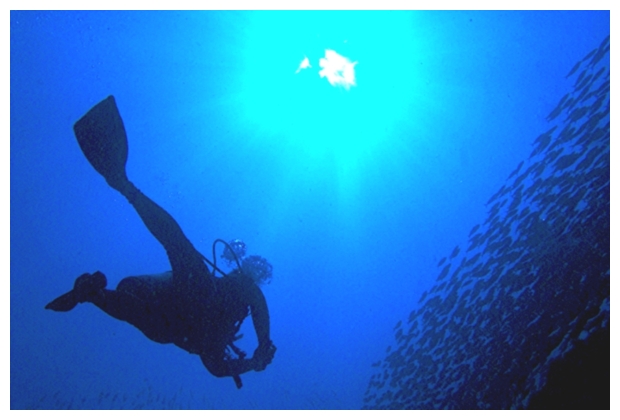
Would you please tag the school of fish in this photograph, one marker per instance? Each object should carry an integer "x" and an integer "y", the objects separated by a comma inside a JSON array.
[{"x": 532, "y": 281}]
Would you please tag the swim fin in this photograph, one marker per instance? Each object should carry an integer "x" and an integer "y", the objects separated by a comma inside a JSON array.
[
  {"x": 103, "y": 140},
  {"x": 63, "y": 303},
  {"x": 85, "y": 286}
]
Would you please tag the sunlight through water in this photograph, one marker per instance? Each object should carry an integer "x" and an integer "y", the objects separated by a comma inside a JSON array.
[
  {"x": 338, "y": 70},
  {"x": 324, "y": 84}
]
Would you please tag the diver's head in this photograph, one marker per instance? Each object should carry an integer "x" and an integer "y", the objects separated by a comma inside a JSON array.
[
  {"x": 234, "y": 250},
  {"x": 255, "y": 267},
  {"x": 258, "y": 269}
]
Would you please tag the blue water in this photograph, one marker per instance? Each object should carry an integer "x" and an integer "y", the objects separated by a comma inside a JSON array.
[{"x": 355, "y": 196}]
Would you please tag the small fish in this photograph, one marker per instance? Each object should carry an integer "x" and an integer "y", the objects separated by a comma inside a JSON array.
[
  {"x": 516, "y": 171},
  {"x": 584, "y": 82},
  {"x": 455, "y": 252},
  {"x": 575, "y": 68},
  {"x": 599, "y": 55},
  {"x": 542, "y": 140},
  {"x": 444, "y": 272},
  {"x": 578, "y": 113},
  {"x": 580, "y": 78}
]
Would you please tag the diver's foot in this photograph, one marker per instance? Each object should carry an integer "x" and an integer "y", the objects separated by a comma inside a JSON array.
[
  {"x": 121, "y": 184},
  {"x": 86, "y": 286},
  {"x": 118, "y": 181}
]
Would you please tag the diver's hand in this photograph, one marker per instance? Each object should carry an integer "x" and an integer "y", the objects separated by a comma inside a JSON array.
[{"x": 263, "y": 356}]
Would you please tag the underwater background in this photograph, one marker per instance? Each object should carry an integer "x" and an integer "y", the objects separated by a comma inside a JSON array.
[{"x": 439, "y": 231}]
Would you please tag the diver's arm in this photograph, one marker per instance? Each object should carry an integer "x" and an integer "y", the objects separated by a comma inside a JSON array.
[
  {"x": 260, "y": 316},
  {"x": 263, "y": 355}
]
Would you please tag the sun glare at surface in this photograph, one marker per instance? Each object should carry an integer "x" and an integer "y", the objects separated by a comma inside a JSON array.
[
  {"x": 338, "y": 70},
  {"x": 326, "y": 85}
]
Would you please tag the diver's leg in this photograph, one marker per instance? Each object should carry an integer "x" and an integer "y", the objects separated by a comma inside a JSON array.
[
  {"x": 103, "y": 140},
  {"x": 185, "y": 260},
  {"x": 136, "y": 300},
  {"x": 119, "y": 305},
  {"x": 91, "y": 288},
  {"x": 127, "y": 303}
]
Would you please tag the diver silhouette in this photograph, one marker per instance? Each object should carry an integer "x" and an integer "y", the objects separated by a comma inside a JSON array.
[{"x": 189, "y": 306}]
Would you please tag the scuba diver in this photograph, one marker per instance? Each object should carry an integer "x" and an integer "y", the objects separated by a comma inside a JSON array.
[{"x": 189, "y": 306}]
